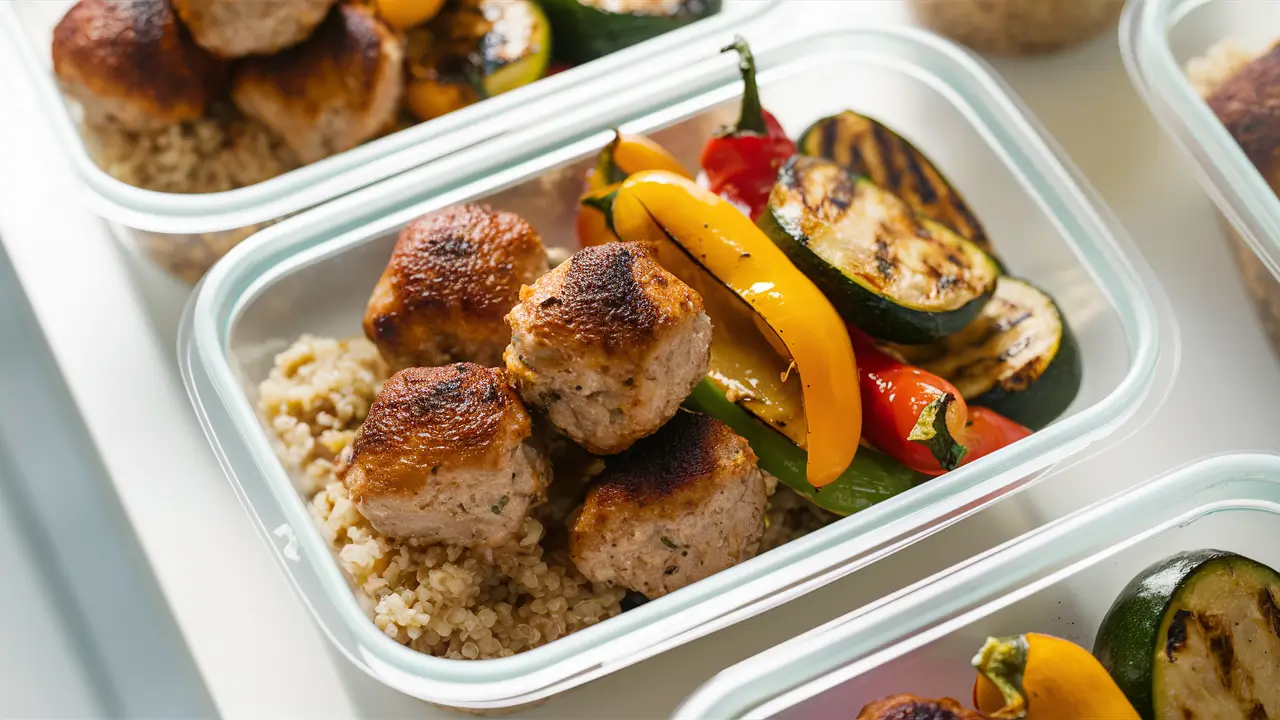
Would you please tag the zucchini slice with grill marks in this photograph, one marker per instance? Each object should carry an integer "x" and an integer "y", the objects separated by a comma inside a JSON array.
[
  {"x": 865, "y": 146},
  {"x": 1197, "y": 635},
  {"x": 1019, "y": 357},
  {"x": 893, "y": 273},
  {"x": 588, "y": 29}
]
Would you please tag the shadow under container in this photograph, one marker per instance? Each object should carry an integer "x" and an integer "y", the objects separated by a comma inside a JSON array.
[
  {"x": 186, "y": 233},
  {"x": 1059, "y": 580},
  {"x": 313, "y": 274},
  {"x": 1159, "y": 38}
]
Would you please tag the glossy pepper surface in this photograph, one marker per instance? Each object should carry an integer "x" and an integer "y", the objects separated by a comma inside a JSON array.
[
  {"x": 872, "y": 477},
  {"x": 656, "y": 206},
  {"x": 741, "y": 162},
  {"x": 625, "y": 155}
]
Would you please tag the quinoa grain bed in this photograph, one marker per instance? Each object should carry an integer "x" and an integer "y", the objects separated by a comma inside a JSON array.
[{"x": 443, "y": 600}]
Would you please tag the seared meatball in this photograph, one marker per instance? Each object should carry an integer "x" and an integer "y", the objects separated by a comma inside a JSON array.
[
  {"x": 452, "y": 277},
  {"x": 235, "y": 28},
  {"x": 608, "y": 345},
  {"x": 131, "y": 62},
  {"x": 680, "y": 505},
  {"x": 332, "y": 92},
  {"x": 910, "y": 707},
  {"x": 445, "y": 455}
]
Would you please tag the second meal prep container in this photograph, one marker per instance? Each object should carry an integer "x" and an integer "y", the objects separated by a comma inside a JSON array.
[
  {"x": 1159, "y": 38},
  {"x": 1059, "y": 579},
  {"x": 187, "y": 233},
  {"x": 313, "y": 274}
]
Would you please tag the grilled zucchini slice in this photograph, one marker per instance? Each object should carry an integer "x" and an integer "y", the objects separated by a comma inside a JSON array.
[
  {"x": 893, "y": 273},
  {"x": 588, "y": 29},
  {"x": 1019, "y": 357},
  {"x": 1197, "y": 635},
  {"x": 865, "y": 146}
]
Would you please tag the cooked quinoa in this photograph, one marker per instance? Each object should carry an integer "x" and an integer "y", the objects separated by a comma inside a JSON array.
[{"x": 444, "y": 600}]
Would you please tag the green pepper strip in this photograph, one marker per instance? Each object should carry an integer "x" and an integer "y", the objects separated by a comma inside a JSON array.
[{"x": 872, "y": 477}]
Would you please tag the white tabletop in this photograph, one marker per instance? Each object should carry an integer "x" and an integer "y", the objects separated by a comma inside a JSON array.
[{"x": 111, "y": 321}]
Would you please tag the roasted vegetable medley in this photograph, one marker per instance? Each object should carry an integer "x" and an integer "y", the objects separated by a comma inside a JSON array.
[{"x": 1196, "y": 635}]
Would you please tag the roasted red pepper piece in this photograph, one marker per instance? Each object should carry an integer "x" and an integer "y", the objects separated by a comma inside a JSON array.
[
  {"x": 741, "y": 162},
  {"x": 919, "y": 418}
]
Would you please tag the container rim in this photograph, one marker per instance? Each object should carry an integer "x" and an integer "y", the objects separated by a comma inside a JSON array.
[
  {"x": 939, "y": 605},
  {"x": 811, "y": 561},
  {"x": 318, "y": 182},
  {"x": 1221, "y": 166}
]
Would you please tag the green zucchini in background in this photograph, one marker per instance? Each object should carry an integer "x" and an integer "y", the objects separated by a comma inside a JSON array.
[
  {"x": 584, "y": 30},
  {"x": 893, "y": 273},
  {"x": 1018, "y": 357},
  {"x": 865, "y": 146},
  {"x": 1197, "y": 635},
  {"x": 493, "y": 45},
  {"x": 871, "y": 478}
]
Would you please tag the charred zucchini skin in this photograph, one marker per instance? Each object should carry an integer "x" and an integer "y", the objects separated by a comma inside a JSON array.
[
  {"x": 865, "y": 146},
  {"x": 1048, "y": 396},
  {"x": 583, "y": 32},
  {"x": 879, "y": 316},
  {"x": 1128, "y": 639}
]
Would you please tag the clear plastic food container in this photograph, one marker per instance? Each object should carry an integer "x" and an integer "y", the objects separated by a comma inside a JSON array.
[
  {"x": 1059, "y": 579},
  {"x": 187, "y": 233},
  {"x": 1159, "y": 38},
  {"x": 313, "y": 273}
]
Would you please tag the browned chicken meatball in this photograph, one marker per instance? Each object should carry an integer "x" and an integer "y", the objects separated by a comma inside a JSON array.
[
  {"x": 452, "y": 277},
  {"x": 910, "y": 707},
  {"x": 131, "y": 62},
  {"x": 235, "y": 28},
  {"x": 680, "y": 505},
  {"x": 445, "y": 455},
  {"x": 608, "y": 345},
  {"x": 332, "y": 92}
]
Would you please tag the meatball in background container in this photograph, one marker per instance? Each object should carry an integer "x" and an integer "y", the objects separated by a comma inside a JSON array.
[
  {"x": 314, "y": 274},
  {"x": 216, "y": 179},
  {"x": 1198, "y": 65}
]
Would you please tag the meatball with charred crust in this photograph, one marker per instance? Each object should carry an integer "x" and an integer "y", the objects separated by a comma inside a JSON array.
[
  {"x": 608, "y": 345},
  {"x": 680, "y": 505},
  {"x": 332, "y": 92},
  {"x": 446, "y": 455},
  {"x": 129, "y": 61},
  {"x": 910, "y": 707},
  {"x": 452, "y": 277},
  {"x": 235, "y": 28}
]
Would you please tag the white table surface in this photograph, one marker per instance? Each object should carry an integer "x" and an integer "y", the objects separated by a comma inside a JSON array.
[{"x": 111, "y": 320}]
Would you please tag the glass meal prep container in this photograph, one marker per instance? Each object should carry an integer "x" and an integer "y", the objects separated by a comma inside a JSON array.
[
  {"x": 1159, "y": 38},
  {"x": 187, "y": 233},
  {"x": 313, "y": 274},
  {"x": 1059, "y": 579}
]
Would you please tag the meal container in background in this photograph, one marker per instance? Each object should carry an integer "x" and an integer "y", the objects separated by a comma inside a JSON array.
[
  {"x": 187, "y": 233},
  {"x": 313, "y": 273},
  {"x": 1059, "y": 579},
  {"x": 1159, "y": 37}
]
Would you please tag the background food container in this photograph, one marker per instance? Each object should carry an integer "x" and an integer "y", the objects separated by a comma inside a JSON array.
[
  {"x": 1059, "y": 579},
  {"x": 1159, "y": 37},
  {"x": 313, "y": 273},
  {"x": 186, "y": 233},
  {"x": 1017, "y": 27}
]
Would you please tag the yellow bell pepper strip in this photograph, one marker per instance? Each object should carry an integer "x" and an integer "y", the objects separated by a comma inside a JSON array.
[
  {"x": 872, "y": 477},
  {"x": 626, "y": 154},
  {"x": 653, "y": 206}
]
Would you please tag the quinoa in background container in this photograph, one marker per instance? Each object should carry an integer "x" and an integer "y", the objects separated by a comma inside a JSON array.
[
  {"x": 1017, "y": 27},
  {"x": 1180, "y": 52},
  {"x": 1059, "y": 580},
  {"x": 187, "y": 233},
  {"x": 313, "y": 274}
]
